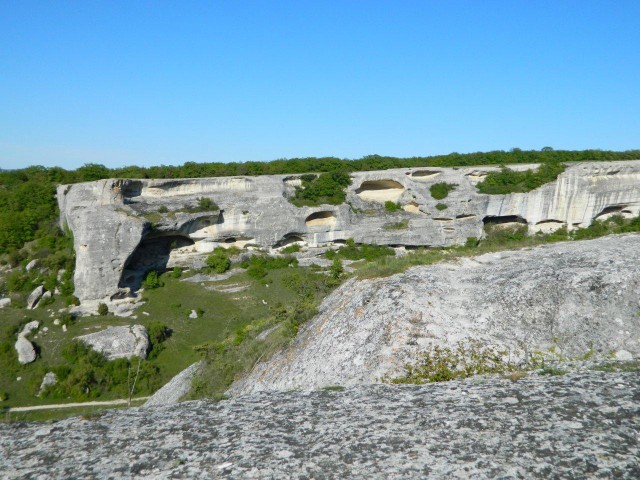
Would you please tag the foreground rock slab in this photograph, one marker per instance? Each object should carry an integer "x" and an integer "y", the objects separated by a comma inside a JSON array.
[
  {"x": 119, "y": 342},
  {"x": 571, "y": 298},
  {"x": 573, "y": 426}
]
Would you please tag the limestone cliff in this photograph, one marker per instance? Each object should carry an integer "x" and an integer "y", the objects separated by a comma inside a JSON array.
[{"x": 123, "y": 228}]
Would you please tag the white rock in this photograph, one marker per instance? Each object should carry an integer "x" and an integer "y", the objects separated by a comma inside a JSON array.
[
  {"x": 624, "y": 355},
  {"x": 193, "y": 314},
  {"x": 31, "y": 265},
  {"x": 5, "y": 302},
  {"x": 146, "y": 313},
  {"x": 119, "y": 342},
  {"x": 26, "y": 351},
  {"x": 35, "y": 297},
  {"x": 64, "y": 328},
  {"x": 56, "y": 322},
  {"x": 45, "y": 329},
  {"x": 48, "y": 380}
]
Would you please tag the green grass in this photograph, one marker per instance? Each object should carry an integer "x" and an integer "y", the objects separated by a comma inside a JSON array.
[
  {"x": 401, "y": 225},
  {"x": 87, "y": 413}
]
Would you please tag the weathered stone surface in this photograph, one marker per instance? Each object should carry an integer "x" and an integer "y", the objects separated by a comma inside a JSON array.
[
  {"x": 24, "y": 348},
  {"x": 34, "y": 297},
  {"x": 572, "y": 426},
  {"x": 49, "y": 380},
  {"x": 119, "y": 342},
  {"x": 5, "y": 302},
  {"x": 175, "y": 389},
  {"x": 115, "y": 244},
  {"x": 568, "y": 297}
]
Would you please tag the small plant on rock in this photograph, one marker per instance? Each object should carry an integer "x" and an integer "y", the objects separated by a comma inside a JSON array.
[{"x": 103, "y": 309}]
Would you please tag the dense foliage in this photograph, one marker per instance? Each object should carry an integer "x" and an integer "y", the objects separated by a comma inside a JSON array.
[
  {"x": 441, "y": 190},
  {"x": 511, "y": 181},
  {"x": 353, "y": 251},
  {"x": 326, "y": 188}
]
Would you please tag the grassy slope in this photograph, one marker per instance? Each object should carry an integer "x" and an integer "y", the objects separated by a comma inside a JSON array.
[{"x": 224, "y": 313}]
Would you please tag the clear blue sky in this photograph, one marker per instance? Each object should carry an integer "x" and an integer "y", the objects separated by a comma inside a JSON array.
[{"x": 155, "y": 82}]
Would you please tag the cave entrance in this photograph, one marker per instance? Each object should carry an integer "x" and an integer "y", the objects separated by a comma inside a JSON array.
[
  {"x": 380, "y": 191},
  {"x": 151, "y": 254}
]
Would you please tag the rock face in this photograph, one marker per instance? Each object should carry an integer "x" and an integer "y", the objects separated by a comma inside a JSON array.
[
  {"x": 572, "y": 426},
  {"x": 115, "y": 244},
  {"x": 24, "y": 348},
  {"x": 569, "y": 298},
  {"x": 119, "y": 342},
  {"x": 175, "y": 389}
]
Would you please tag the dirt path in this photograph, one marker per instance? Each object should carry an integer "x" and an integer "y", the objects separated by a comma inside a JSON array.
[{"x": 71, "y": 405}]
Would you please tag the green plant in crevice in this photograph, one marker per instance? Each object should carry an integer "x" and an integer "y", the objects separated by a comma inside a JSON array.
[{"x": 441, "y": 190}]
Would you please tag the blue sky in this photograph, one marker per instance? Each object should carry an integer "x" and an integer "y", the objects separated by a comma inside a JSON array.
[{"x": 149, "y": 83}]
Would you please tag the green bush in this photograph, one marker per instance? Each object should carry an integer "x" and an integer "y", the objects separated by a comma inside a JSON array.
[
  {"x": 441, "y": 206},
  {"x": 218, "y": 261},
  {"x": 176, "y": 272},
  {"x": 258, "y": 265},
  {"x": 152, "y": 281},
  {"x": 326, "y": 188},
  {"x": 103, "y": 309},
  {"x": 510, "y": 181},
  {"x": 391, "y": 207},
  {"x": 351, "y": 251},
  {"x": 163, "y": 209},
  {"x": 293, "y": 248},
  {"x": 441, "y": 190}
]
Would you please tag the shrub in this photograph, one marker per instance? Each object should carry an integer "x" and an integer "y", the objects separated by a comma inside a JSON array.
[
  {"x": 176, "y": 272},
  {"x": 152, "y": 281},
  {"x": 441, "y": 190},
  {"x": 510, "y": 181},
  {"x": 441, "y": 206},
  {"x": 390, "y": 206},
  {"x": 465, "y": 359},
  {"x": 163, "y": 209},
  {"x": 258, "y": 265},
  {"x": 326, "y": 188},
  {"x": 103, "y": 309},
  {"x": 293, "y": 248},
  {"x": 336, "y": 269},
  {"x": 366, "y": 251},
  {"x": 218, "y": 261}
]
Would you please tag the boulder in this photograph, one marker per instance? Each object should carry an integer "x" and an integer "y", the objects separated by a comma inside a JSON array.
[
  {"x": 175, "y": 389},
  {"x": 49, "y": 379},
  {"x": 35, "y": 297},
  {"x": 31, "y": 265},
  {"x": 26, "y": 351},
  {"x": 119, "y": 342},
  {"x": 5, "y": 302}
]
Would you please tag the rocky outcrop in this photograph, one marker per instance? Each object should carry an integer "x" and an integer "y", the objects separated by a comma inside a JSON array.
[
  {"x": 175, "y": 389},
  {"x": 123, "y": 228},
  {"x": 119, "y": 342},
  {"x": 24, "y": 348},
  {"x": 573, "y": 426},
  {"x": 567, "y": 299}
]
